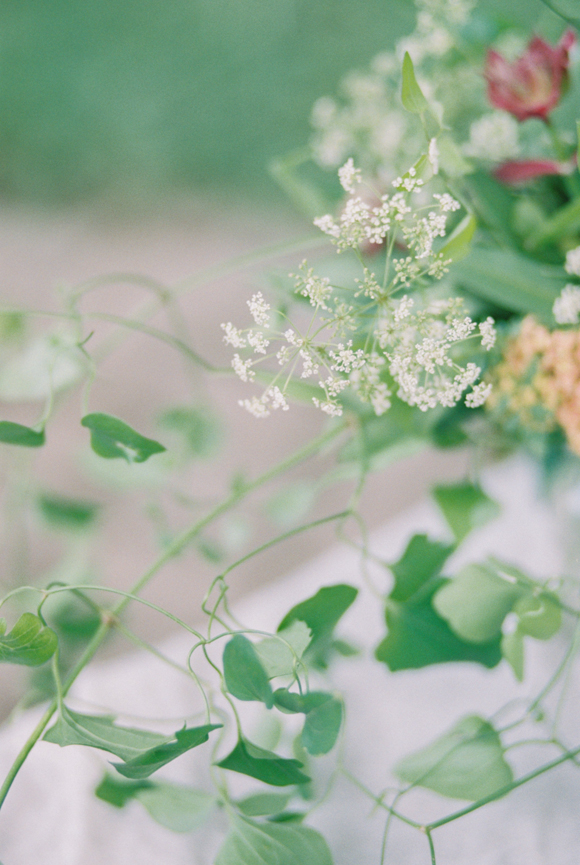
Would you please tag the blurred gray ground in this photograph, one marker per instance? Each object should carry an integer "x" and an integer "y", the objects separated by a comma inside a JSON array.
[{"x": 41, "y": 253}]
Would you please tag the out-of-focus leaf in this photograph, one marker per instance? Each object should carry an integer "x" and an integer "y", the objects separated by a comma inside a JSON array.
[
  {"x": 112, "y": 438},
  {"x": 16, "y": 434},
  {"x": 422, "y": 559},
  {"x": 465, "y": 507},
  {"x": 459, "y": 243},
  {"x": 66, "y": 513},
  {"x": 476, "y": 602},
  {"x": 30, "y": 642},
  {"x": 465, "y": 763},
  {"x": 539, "y": 616},
  {"x": 276, "y": 657},
  {"x": 264, "y": 804},
  {"x": 252, "y": 843},
  {"x": 198, "y": 426}
]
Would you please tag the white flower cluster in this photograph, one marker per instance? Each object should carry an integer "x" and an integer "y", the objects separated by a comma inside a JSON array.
[
  {"x": 494, "y": 137},
  {"x": 572, "y": 265},
  {"x": 566, "y": 308},
  {"x": 419, "y": 347}
]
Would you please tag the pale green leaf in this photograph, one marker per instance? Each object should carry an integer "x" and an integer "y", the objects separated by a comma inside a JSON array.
[
  {"x": 100, "y": 731},
  {"x": 30, "y": 642},
  {"x": 264, "y": 804},
  {"x": 321, "y": 727},
  {"x": 251, "y": 843},
  {"x": 181, "y": 809},
  {"x": 512, "y": 648},
  {"x": 539, "y": 616},
  {"x": 459, "y": 243},
  {"x": 465, "y": 763},
  {"x": 276, "y": 657},
  {"x": 476, "y": 602},
  {"x": 465, "y": 507},
  {"x": 411, "y": 94},
  {"x": 321, "y": 613}
]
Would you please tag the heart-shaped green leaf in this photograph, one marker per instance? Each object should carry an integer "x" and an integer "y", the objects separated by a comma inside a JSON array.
[
  {"x": 321, "y": 613},
  {"x": 245, "y": 676},
  {"x": 112, "y": 438},
  {"x": 252, "y": 843},
  {"x": 467, "y": 762},
  {"x": 30, "y": 642}
]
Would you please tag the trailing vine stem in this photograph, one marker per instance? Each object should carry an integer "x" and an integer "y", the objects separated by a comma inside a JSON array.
[{"x": 172, "y": 550}]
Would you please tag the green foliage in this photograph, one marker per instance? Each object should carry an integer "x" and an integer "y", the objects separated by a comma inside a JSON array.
[
  {"x": 411, "y": 94},
  {"x": 264, "y": 804},
  {"x": 65, "y": 513},
  {"x": 465, "y": 507},
  {"x": 459, "y": 244},
  {"x": 200, "y": 430},
  {"x": 476, "y": 602},
  {"x": 100, "y": 731},
  {"x": 143, "y": 751},
  {"x": 112, "y": 438},
  {"x": 321, "y": 613},
  {"x": 247, "y": 759},
  {"x": 465, "y": 763},
  {"x": 252, "y": 843},
  {"x": 511, "y": 280},
  {"x": 244, "y": 674},
  {"x": 276, "y": 657},
  {"x": 417, "y": 636},
  {"x": 16, "y": 434},
  {"x": 539, "y": 616},
  {"x": 30, "y": 642},
  {"x": 178, "y": 808},
  {"x": 423, "y": 558},
  {"x": 143, "y": 765},
  {"x": 323, "y": 717},
  {"x": 291, "y": 504}
]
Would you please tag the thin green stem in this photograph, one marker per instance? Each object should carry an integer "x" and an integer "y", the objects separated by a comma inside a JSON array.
[
  {"x": 503, "y": 791},
  {"x": 172, "y": 551}
]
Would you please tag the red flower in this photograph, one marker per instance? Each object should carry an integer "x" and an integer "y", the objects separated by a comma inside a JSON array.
[
  {"x": 533, "y": 84},
  {"x": 520, "y": 171}
]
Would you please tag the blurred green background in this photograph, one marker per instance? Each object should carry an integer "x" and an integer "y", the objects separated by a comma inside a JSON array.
[{"x": 136, "y": 99}]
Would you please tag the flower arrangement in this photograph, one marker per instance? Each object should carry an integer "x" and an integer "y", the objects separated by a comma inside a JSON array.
[{"x": 448, "y": 312}]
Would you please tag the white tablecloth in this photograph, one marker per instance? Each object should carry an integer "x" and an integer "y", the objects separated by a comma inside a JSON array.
[{"x": 52, "y": 817}]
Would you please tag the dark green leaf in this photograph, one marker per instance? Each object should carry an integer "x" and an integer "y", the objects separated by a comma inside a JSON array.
[
  {"x": 321, "y": 613},
  {"x": 465, "y": 507},
  {"x": 566, "y": 220},
  {"x": 112, "y": 438},
  {"x": 100, "y": 731},
  {"x": 264, "y": 804},
  {"x": 417, "y": 636},
  {"x": 250, "y": 843},
  {"x": 422, "y": 559},
  {"x": 29, "y": 642},
  {"x": 245, "y": 676},
  {"x": 266, "y": 766},
  {"x": 465, "y": 763},
  {"x": 154, "y": 758},
  {"x": 411, "y": 94},
  {"x": 511, "y": 281},
  {"x": 476, "y": 602},
  {"x": 322, "y": 726},
  {"x": 117, "y": 792},
  {"x": 16, "y": 434},
  {"x": 291, "y": 701},
  {"x": 66, "y": 513}
]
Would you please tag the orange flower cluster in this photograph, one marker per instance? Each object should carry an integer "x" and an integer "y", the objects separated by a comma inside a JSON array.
[{"x": 538, "y": 380}]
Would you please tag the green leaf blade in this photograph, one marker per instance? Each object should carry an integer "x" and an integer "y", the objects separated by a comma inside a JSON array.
[
  {"x": 411, "y": 94},
  {"x": 248, "y": 759},
  {"x": 244, "y": 674},
  {"x": 148, "y": 762},
  {"x": 465, "y": 507},
  {"x": 467, "y": 762},
  {"x": 251, "y": 843},
  {"x": 112, "y": 438},
  {"x": 421, "y": 560},
  {"x": 321, "y": 614},
  {"x": 16, "y": 434},
  {"x": 29, "y": 643},
  {"x": 99, "y": 731}
]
